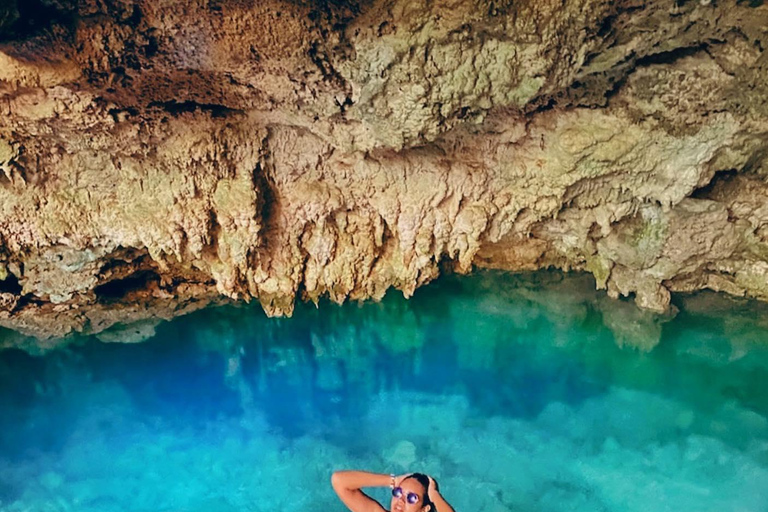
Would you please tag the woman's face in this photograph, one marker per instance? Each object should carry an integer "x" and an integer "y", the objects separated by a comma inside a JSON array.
[{"x": 409, "y": 486}]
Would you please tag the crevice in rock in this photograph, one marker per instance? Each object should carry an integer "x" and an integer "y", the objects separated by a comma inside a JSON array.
[
  {"x": 120, "y": 114},
  {"x": 606, "y": 27},
  {"x": 26, "y": 18},
  {"x": 592, "y": 91},
  {"x": 583, "y": 92},
  {"x": 671, "y": 56},
  {"x": 615, "y": 83},
  {"x": 756, "y": 160},
  {"x": 323, "y": 63},
  {"x": 119, "y": 288},
  {"x": 540, "y": 105},
  {"x": 122, "y": 262},
  {"x": 5, "y": 180},
  {"x": 336, "y": 15},
  {"x": 176, "y": 109},
  {"x": 214, "y": 229},
  {"x": 10, "y": 285},
  {"x": 719, "y": 177},
  {"x": 267, "y": 202}
]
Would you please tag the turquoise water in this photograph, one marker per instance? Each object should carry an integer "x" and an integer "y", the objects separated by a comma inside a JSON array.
[{"x": 524, "y": 393}]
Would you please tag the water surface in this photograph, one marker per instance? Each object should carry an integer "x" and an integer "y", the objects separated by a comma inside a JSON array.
[{"x": 524, "y": 393}]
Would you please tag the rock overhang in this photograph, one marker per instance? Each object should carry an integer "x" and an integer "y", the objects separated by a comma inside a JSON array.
[{"x": 158, "y": 159}]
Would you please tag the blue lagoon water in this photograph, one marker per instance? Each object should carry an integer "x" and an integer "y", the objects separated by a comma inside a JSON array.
[{"x": 518, "y": 393}]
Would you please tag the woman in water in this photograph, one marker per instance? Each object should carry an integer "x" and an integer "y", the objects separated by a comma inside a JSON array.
[{"x": 412, "y": 492}]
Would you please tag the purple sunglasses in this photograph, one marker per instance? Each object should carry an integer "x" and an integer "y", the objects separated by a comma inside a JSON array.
[{"x": 411, "y": 497}]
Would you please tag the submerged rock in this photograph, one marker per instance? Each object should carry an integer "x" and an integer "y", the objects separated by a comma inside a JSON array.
[
  {"x": 402, "y": 455},
  {"x": 155, "y": 160}
]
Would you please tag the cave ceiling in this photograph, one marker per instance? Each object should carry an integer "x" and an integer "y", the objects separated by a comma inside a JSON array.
[{"x": 157, "y": 157}]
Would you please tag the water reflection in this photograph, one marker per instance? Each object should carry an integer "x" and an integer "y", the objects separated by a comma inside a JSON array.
[{"x": 483, "y": 380}]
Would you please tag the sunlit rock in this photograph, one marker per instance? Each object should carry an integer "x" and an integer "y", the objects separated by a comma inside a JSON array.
[{"x": 131, "y": 333}]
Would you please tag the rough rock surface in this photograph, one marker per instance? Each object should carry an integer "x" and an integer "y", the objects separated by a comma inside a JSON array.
[{"x": 159, "y": 156}]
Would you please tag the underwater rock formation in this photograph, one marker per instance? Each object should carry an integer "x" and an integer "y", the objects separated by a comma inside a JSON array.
[{"x": 158, "y": 157}]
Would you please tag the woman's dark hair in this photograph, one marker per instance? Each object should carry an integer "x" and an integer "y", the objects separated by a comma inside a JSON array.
[{"x": 424, "y": 481}]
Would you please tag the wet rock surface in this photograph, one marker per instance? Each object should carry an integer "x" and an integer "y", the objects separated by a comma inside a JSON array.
[{"x": 157, "y": 157}]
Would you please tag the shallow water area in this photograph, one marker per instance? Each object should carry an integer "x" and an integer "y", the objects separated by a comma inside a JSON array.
[{"x": 517, "y": 392}]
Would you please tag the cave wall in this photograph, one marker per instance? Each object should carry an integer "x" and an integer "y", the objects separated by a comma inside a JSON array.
[{"x": 157, "y": 157}]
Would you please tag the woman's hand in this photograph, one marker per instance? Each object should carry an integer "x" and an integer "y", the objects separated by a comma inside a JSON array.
[
  {"x": 433, "y": 488},
  {"x": 433, "y": 491}
]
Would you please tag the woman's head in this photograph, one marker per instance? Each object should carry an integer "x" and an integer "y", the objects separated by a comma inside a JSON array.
[{"x": 411, "y": 495}]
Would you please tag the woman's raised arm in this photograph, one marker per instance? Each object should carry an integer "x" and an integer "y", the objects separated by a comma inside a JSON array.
[{"x": 348, "y": 485}]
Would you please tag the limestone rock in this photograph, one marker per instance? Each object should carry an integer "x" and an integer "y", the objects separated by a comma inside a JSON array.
[{"x": 154, "y": 160}]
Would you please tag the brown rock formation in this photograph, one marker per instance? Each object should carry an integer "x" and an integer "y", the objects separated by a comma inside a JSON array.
[{"x": 156, "y": 157}]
